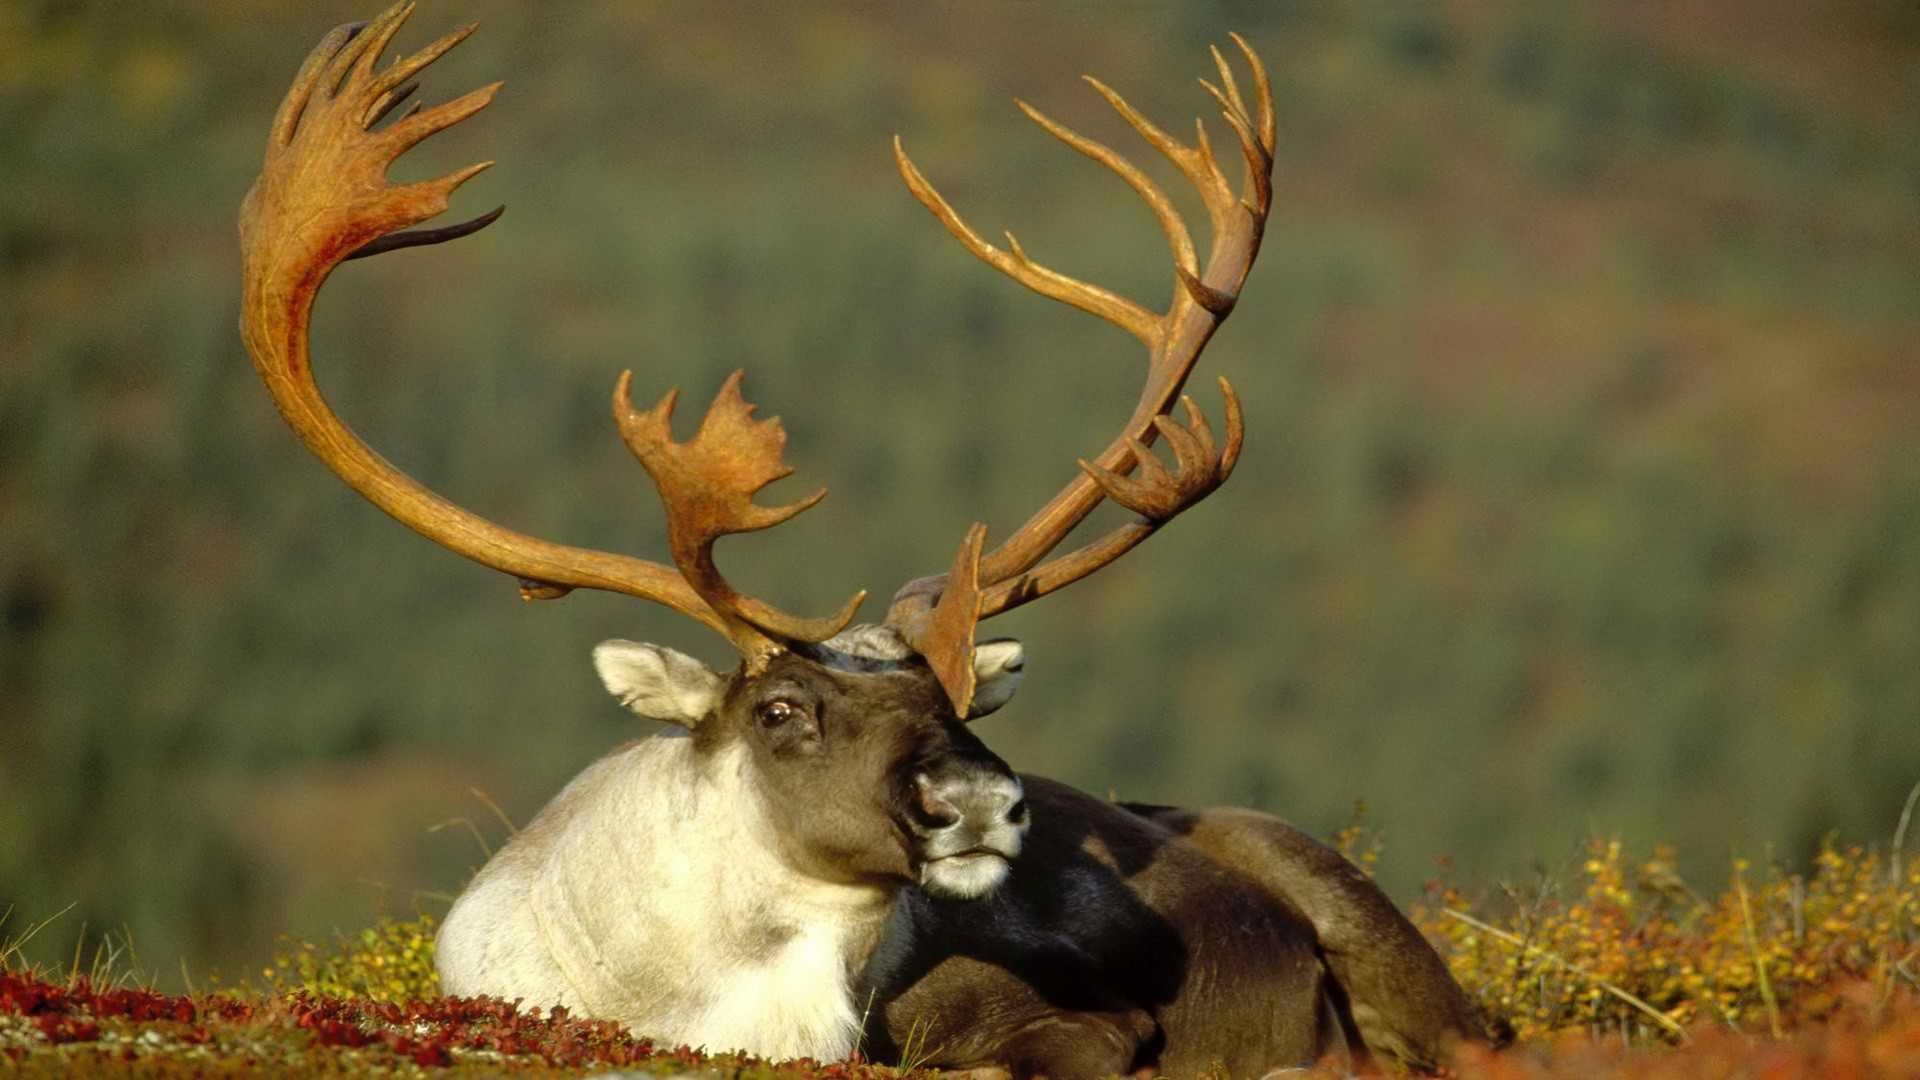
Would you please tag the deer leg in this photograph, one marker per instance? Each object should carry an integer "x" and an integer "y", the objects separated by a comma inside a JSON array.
[
  {"x": 1069, "y": 1046},
  {"x": 965, "y": 1013},
  {"x": 1393, "y": 988}
]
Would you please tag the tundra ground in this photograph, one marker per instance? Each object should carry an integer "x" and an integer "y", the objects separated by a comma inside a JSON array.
[{"x": 1616, "y": 968}]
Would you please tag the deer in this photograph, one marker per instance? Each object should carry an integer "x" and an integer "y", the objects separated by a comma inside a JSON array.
[{"x": 822, "y": 857}]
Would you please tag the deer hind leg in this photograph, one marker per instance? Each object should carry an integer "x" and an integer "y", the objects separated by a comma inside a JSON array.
[
  {"x": 969, "y": 1014},
  {"x": 1394, "y": 990},
  {"x": 1058, "y": 1044},
  {"x": 1069, "y": 1046}
]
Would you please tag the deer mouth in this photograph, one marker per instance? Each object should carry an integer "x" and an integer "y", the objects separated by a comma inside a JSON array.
[
  {"x": 970, "y": 853},
  {"x": 966, "y": 875},
  {"x": 966, "y": 823}
]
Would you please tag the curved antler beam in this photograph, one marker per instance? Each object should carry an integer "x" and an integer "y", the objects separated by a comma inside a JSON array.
[{"x": 322, "y": 198}]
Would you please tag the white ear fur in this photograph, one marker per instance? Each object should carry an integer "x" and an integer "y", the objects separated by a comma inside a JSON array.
[
  {"x": 657, "y": 682},
  {"x": 998, "y": 667}
]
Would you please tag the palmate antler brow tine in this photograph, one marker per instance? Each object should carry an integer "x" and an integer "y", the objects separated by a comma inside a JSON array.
[
  {"x": 1020, "y": 569},
  {"x": 322, "y": 198},
  {"x": 707, "y": 484}
]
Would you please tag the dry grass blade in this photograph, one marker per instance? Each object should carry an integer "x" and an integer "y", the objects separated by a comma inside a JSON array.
[
  {"x": 13, "y": 948},
  {"x": 1753, "y": 952},
  {"x": 487, "y": 801},
  {"x": 1665, "y": 1022},
  {"x": 1896, "y": 859},
  {"x": 472, "y": 830}
]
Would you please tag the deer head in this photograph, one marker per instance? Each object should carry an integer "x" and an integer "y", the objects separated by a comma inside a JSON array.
[{"x": 857, "y": 738}]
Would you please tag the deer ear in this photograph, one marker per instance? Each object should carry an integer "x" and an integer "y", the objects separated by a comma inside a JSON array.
[
  {"x": 998, "y": 666},
  {"x": 658, "y": 683}
]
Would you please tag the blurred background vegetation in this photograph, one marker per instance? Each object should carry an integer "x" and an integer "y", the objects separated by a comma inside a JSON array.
[{"x": 1581, "y": 494}]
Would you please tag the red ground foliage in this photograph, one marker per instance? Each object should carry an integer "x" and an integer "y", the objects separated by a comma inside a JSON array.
[
  {"x": 53, "y": 1027},
  {"x": 48, "y": 1027}
]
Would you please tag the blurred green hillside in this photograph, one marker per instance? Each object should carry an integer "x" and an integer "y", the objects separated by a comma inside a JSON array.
[{"x": 1582, "y": 488}]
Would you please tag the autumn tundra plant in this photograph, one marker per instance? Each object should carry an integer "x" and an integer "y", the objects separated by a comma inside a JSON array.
[
  {"x": 1612, "y": 944},
  {"x": 1575, "y": 958},
  {"x": 829, "y": 857},
  {"x": 1628, "y": 947}
]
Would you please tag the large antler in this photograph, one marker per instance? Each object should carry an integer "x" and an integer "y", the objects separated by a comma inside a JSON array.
[
  {"x": 936, "y": 614},
  {"x": 323, "y": 197}
]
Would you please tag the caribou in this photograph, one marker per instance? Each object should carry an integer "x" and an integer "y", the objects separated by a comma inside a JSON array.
[{"x": 826, "y": 858}]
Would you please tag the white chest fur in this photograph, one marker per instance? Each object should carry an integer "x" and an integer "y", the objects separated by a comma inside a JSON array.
[
  {"x": 796, "y": 1003},
  {"x": 648, "y": 892}
]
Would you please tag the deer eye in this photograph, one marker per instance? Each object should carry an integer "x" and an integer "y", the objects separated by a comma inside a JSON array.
[{"x": 778, "y": 713}]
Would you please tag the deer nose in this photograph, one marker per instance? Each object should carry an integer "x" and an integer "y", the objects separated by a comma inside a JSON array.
[
  {"x": 976, "y": 801},
  {"x": 931, "y": 807}
]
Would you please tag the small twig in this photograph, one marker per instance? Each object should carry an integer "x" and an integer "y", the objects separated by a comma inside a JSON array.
[
  {"x": 1753, "y": 950},
  {"x": 1667, "y": 1022},
  {"x": 1907, "y": 973},
  {"x": 487, "y": 801},
  {"x": 1900, "y": 830},
  {"x": 471, "y": 828},
  {"x": 187, "y": 978}
]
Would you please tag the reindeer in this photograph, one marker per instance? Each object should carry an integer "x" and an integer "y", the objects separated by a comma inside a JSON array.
[{"x": 828, "y": 856}]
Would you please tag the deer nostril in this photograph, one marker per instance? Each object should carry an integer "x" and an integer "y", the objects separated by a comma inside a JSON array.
[
  {"x": 936, "y": 814},
  {"x": 931, "y": 809}
]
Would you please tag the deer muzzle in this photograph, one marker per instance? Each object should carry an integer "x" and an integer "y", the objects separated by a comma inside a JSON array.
[{"x": 968, "y": 820}]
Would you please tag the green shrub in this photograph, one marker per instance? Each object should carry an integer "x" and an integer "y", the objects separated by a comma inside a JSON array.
[{"x": 388, "y": 961}]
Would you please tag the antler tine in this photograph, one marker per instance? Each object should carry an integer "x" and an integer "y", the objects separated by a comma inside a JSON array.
[
  {"x": 1178, "y": 238},
  {"x": 421, "y": 237},
  {"x": 287, "y": 118},
  {"x": 394, "y": 99},
  {"x": 1020, "y": 569},
  {"x": 1263, "y": 92},
  {"x": 944, "y": 633},
  {"x": 1226, "y": 79},
  {"x": 1194, "y": 162},
  {"x": 1260, "y": 153},
  {"x": 707, "y": 485},
  {"x": 1014, "y": 263},
  {"x": 373, "y": 41},
  {"x": 1259, "y": 162},
  {"x": 402, "y": 70}
]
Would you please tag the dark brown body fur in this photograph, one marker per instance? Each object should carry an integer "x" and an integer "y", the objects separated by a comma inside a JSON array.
[{"x": 1158, "y": 938}]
